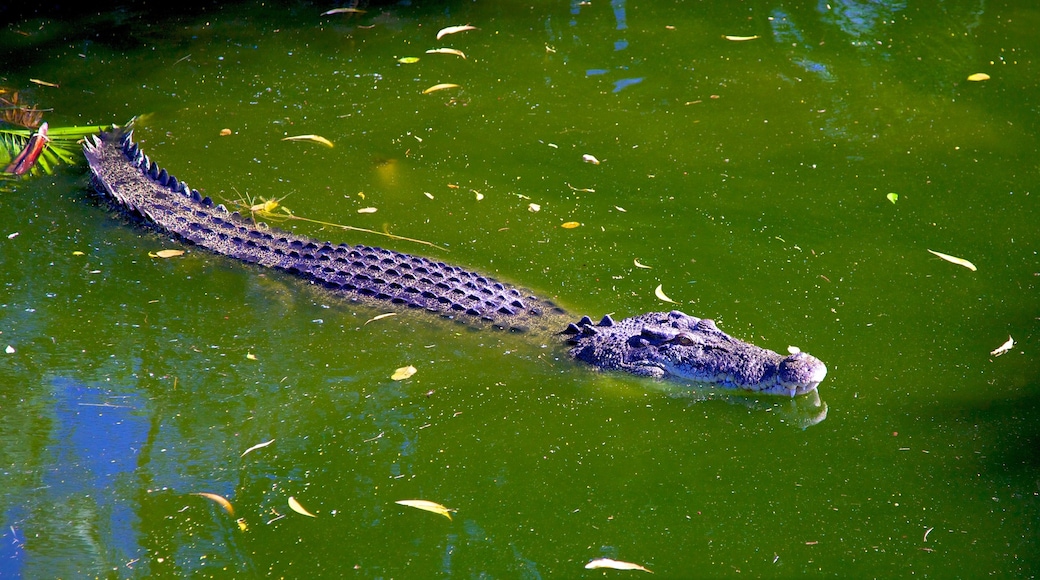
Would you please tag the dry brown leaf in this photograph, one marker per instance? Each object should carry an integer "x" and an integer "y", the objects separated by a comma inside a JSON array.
[
  {"x": 440, "y": 87},
  {"x": 453, "y": 29},
  {"x": 955, "y": 260},
  {"x": 447, "y": 51},
  {"x": 425, "y": 505},
  {"x": 296, "y": 507},
  {"x": 312, "y": 138},
  {"x": 614, "y": 565},
  {"x": 403, "y": 373},
  {"x": 219, "y": 499}
]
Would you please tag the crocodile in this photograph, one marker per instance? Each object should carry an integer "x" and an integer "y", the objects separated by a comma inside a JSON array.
[{"x": 663, "y": 345}]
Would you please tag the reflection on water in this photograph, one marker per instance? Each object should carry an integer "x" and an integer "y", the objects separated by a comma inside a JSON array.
[{"x": 81, "y": 518}]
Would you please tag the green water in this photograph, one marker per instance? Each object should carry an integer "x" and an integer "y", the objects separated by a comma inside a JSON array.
[{"x": 751, "y": 176}]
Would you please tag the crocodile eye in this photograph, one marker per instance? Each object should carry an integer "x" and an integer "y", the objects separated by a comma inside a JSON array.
[{"x": 684, "y": 340}]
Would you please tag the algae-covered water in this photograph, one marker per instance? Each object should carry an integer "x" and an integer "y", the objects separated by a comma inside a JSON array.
[{"x": 751, "y": 178}]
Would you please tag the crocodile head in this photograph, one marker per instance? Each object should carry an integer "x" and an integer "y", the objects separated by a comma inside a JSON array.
[{"x": 680, "y": 347}]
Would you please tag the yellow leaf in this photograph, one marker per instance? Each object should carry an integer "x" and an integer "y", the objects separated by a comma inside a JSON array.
[
  {"x": 955, "y": 260},
  {"x": 257, "y": 446},
  {"x": 312, "y": 138},
  {"x": 446, "y": 51},
  {"x": 78, "y": 253},
  {"x": 638, "y": 265},
  {"x": 296, "y": 507},
  {"x": 978, "y": 77},
  {"x": 225, "y": 132},
  {"x": 219, "y": 499},
  {"x": 343, "y": 11},
  {"x": 1004, "y": 347},
  {"x": 739, "y": 38},
  {"x": 453, "y": 29},
  {"x": 614, "y": 565},
  {"x": 440, "y": 87},
  {"x": 408, "y": 59},
  {"x": 424, "y": 505},
  {"x": 403, "y": 373},
  {"x": 251, "y": 356},
  {"x": 569, "y": 225},
  {"x": 242, "y": 526},
  {"x": 166, "y": 253},
  {"x": 380, "y": 317},
  {"x": 659, "y": 292},
  {"x": 367, "y": 210}
]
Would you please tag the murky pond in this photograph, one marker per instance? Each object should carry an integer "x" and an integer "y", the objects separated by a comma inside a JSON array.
[{"x": 746, "y": 153}]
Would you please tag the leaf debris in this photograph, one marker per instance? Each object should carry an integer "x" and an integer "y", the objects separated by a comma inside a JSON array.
[
  {"x": 257, "y": 446},
  {"x": 312, "y": 138},
  {"x": 218, "y": 499},
  {"x": 739, "y": 38},
  {"x": 453, "y": 30},
  {"x": 440, "y": 87},
  {"x": 425, "y": 505},
  {"x": 659, "y": 292},
  {"x": 614, "y": 565},
  {"x": 166, "y": 254},
  {"x": 296, "y": 507},
  {"x": 955, "y": 260},
  {"x": 1004, "y": 347},
  {"x": 978, "y": 77},
  {"x": 403, "y": 373},
  {"x": 458, "y": 53}
]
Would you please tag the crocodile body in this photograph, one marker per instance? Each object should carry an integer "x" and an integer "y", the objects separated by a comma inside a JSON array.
[{"x": 662, "y": 345}]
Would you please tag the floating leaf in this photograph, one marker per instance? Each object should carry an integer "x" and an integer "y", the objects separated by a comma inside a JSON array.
[
  {"x": 453, "y": 29},
  {"x": 590, "y": 159},
  {"x": 1004, "y": 347},
  {"x": 534, "y": 207},
  {"x": 569, "y": 225},
  {"x": 9, "y": 349},
  {"x": 408, "y": 59},
  {"x": 638, "y": 265},
  {"x": 424, "y": 505},
  {"x": 739, "y": 38},
  {"x": 446, "y": 51},
  {"x": 43, "y": 83},
  {"x": 242, "y": 526},
  {"x": 978, "y": 77},
  {"x": 659, "y": 292},
  {"x": 380, "y": 317},
  {"x": 439, "y": 87},
  {"x": 166, "y": 253},
  {"x": 312, "y": 138},
  {"x": 251, "y": 356},
  {"x": 403, "y": 373},
  {"x": 955, "y": 260},
  {"x": 614, "y": 565},
  {"x": 257, "y": 446},
  {"x": 225, "y": 132},
  {"x": 343, "y": 11},
  {"x": 219, "y": 499},
  {"x": 78, "y": 253},
  {"x": 367, "y": 210},
  {"x": 892, "y": 197},
  {"x": 296, "y": 507}
]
